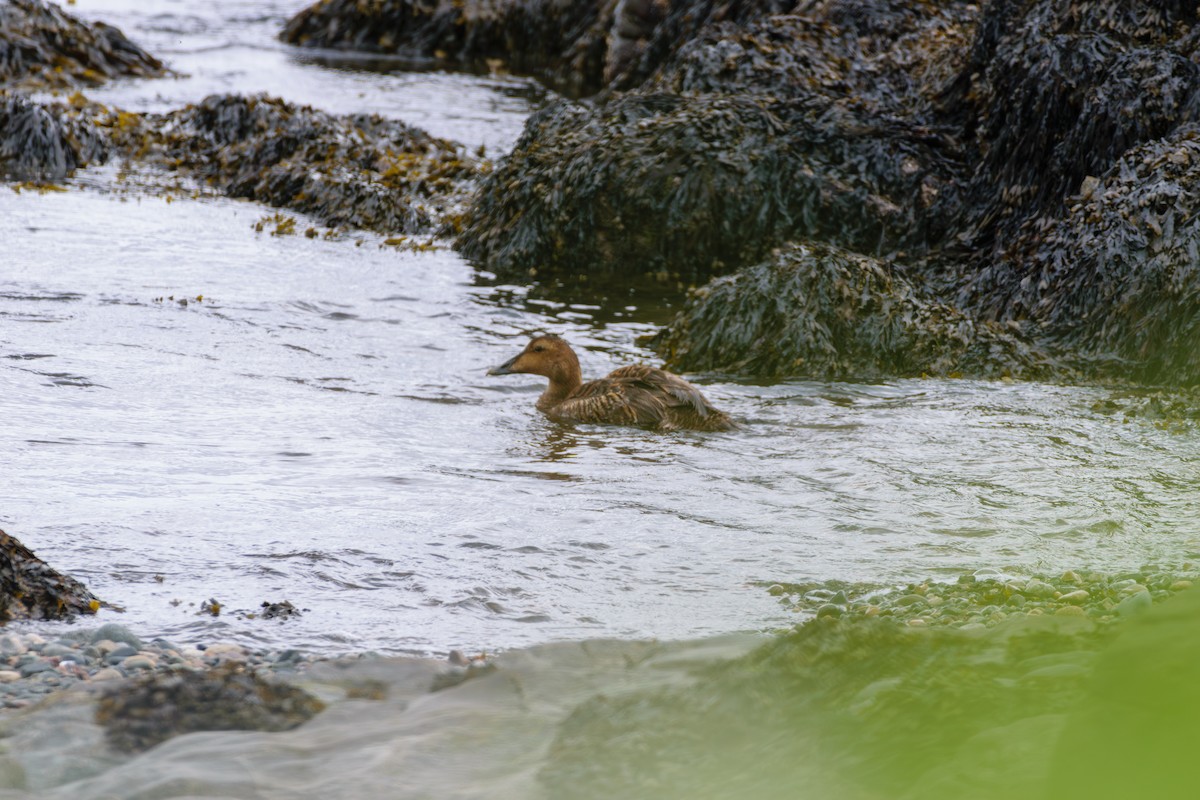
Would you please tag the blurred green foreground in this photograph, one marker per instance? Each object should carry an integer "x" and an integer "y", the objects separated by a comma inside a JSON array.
[{"x": 1053, "y": 707}]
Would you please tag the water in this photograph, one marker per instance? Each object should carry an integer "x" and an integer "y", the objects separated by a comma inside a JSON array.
[{"x": 319, "y": 427}]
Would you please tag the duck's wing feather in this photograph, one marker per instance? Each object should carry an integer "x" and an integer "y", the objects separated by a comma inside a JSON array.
[
  {"x": 679, "y": 393},
  {"x": 634, "y": 395}
]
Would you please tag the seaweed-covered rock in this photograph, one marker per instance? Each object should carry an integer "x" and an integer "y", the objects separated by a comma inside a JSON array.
[
  {"x": 818, "y": 312},
  {"x": 30, "y": 589},
  {"x": 1057, "y": 90},
  {"x": 44, "y": 142},
  {"x": 1117, "y": 279},
  {"x": 560, "y": 42},
  {"x": 41, "y": 46},
  {"x": 696, "y": 185},
  {"x": 357, "y": 170},
  {"x": 150, "y": 710}
]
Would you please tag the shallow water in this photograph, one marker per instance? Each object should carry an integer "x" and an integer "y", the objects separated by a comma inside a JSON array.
[{"x": 319, "y": 427}]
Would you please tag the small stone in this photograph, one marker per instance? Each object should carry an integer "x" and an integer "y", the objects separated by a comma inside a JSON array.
[
  {"x": 872, "y": 611},
  {"x": 139, "y": 661},
  {"x": 108, "y": 674},
  {"x": 775, "y": 590},
  {"x": 1070, "y": 611},
  {"x": 33, "y": 640},
  {"x": 55, "y": 649},
  {"x": 1134, "y": 603},
  {"x": 34, "y": 667},
  {"x": 829, "y": 610},
  {"x": 225, "y": 652},
  {"x": 122, "y": 652},
  {"x": 8, "y": 676},
  {"x": 12, "y": 645},
  {"x": 101, "y": 648},
  {"x": 1036, "y": 588},
  {"x": 1070, "y": 576},
  {"x": 910, "y": 599},
  {"x": 1179, "y": 586},
  {"x": 934, "y": 600},
  {"x": 1016, "y": 600},
  {"x": 1076, "y": 597},
  {"x": 839, "y": 599},
  {"x": 917, "y": 622},
  {"x": 116, "y": 633}
]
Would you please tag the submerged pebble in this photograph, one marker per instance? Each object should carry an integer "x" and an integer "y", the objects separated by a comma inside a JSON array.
[{"x": 31, "y": 665}]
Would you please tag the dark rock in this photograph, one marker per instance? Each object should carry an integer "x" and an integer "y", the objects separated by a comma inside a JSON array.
[
  {"x": 139, "y": 715},
  {"x": 355, "y": 170},
  {"x": 280, "y": 610},
  {"x": 563, "y": 43},
  {"x": 1055, "y": 91},
  {"x": 1116, "y": 281},
  {"x": 43, "y": 47},
  {"x": 695, "y": 185},
  {"x": 30, "y": 589},
  {"x": 819, "y": 312},
  {"x": 44, "y": 142}
]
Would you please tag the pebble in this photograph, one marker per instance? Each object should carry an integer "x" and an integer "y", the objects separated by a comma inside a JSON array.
[
  {"x": 1077, "y": 597},
  {"x": 31, "y": 667}
]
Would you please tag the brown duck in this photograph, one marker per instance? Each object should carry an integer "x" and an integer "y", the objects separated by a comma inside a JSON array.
[{"x": 633, "y": 395}]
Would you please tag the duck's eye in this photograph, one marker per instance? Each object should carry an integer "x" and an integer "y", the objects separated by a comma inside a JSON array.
[{"x": 538, "y": 348}]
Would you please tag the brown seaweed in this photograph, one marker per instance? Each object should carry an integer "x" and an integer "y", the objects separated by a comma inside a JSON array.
[
  {"x": 31, "y": 589},
  {"x": 43, "y": 47}
]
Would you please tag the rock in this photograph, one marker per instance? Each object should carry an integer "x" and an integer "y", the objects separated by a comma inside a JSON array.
[
  {"x": 1134, "y": 603},
  {"x": 820, "y": 313},
  {"x": 1076, "y": 597},
  {"x": 30, "y": 589},
  {"x": 1038, "y": 588},
  {"x": 114, "y": 633},
  {"x": 139, "y": 662},
  {"x": 8, "y": 676},
  {"x": 43, "y": 47},
  {"x": 12, "y": 645},
  {"x": 355, "y": 170},
  {"x": 108, "y": 674},
  {"x": 157, "y": 707},
  {"x": 829, "y": 610},
  {"x": 562, "y": 43},
  {"x": 1070, "y": 611},
  {"x": 34, "y": 667}
]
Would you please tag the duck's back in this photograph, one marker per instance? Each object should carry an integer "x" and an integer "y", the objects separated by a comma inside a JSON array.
[{"x": 645, "y": 396}]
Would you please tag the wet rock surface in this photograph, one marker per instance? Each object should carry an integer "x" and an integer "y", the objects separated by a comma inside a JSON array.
[
  {"x": 229, "y": 697},
  {"x": 829, "y": 314},
  {"x": 359, "y": 170},
  {"x": 43, "y": 47},
  {"x": 41, "y": 143},
  {"x": 31, "y": 589},
  {"x": 561, "y": 43}
]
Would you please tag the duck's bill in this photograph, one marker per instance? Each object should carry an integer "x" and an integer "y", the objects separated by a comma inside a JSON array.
[{"x": 505, "y": 368}]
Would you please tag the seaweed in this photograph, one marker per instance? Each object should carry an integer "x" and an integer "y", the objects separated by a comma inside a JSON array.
[
  {"x": 562, "y": 44},
  {"x": 817, "y": 312},
  {"x": 31, "y": 589},
  {"x": 40, "y": 143},
  {"x": 43, "y": 47}
]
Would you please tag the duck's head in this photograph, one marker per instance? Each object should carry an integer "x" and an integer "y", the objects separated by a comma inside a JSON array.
[{"x": 546, "y": 355}]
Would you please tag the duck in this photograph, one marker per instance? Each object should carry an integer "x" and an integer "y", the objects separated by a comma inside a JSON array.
[{"x": 637, "y": 394}]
